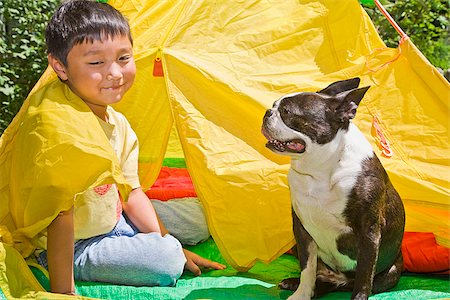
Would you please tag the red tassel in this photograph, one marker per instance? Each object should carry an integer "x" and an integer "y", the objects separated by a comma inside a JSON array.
[
  {"x": 158, "y": 68},
  {"x": 384, "y": 144}
]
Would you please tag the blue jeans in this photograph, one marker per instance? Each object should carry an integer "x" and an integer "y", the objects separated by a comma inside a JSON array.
[{"x": 127, "y": 257}]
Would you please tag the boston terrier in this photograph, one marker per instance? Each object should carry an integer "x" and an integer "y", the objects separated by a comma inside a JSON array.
[{"x": 348, "y": 219}]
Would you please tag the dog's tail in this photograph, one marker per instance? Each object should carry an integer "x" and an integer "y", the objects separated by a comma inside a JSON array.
[{"x": 330, "y": 281}]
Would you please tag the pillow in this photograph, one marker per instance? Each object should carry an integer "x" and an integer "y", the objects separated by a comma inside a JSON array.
[
  {"x": 184, "y": 219},
  {"x": 172, "y": 183},
  {"x": 421, "y": 254}
]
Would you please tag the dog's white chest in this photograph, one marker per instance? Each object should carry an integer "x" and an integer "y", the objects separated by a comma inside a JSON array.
[
  {"x": 319, "y": 194},
  {"x": 320, "y": 211}
]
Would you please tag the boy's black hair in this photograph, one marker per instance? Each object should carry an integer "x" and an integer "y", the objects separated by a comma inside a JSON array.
[{"x": 79, "y": 21}]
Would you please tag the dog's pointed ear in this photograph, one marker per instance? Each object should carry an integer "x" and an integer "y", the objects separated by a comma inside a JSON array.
[
  {"x": 348, "y": 103},
  {"x": 340, "y": 86}
]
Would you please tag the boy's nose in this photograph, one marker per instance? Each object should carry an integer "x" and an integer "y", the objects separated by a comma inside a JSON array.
[{"x": 115, "y": 72}]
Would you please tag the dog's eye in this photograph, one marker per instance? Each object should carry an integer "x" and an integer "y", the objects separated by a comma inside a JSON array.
[{"x": 283, "y": 110}]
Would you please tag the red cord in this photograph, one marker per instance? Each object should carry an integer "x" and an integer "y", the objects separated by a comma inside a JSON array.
[{"x": 391, "y": 20}]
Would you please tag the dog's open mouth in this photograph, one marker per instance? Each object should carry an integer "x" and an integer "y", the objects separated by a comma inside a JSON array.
[{"x": 294, "y": 146}]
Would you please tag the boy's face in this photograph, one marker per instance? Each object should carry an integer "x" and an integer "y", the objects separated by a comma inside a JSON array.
[{"x": 99, "y": 72}]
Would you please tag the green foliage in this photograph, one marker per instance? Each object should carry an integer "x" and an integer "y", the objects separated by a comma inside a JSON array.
[
  {"x": 22, "y": 51},
  {"x": 426, "y": 22},
  {"x": 369, "y": 3}
]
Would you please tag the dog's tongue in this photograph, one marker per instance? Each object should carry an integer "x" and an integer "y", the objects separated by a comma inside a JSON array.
[{"x": 295, "y": 146}]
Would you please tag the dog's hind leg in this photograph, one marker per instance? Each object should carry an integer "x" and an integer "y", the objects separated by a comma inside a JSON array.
[
  {"x": 329, "y": 281},
  {"x": 389, "y": 278}
]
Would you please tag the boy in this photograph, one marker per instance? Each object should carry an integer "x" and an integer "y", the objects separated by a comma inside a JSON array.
[{"x": 90, "y": 49}]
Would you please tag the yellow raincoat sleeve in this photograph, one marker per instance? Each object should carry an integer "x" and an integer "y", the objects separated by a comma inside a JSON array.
[{"x": 53, "y": 150}]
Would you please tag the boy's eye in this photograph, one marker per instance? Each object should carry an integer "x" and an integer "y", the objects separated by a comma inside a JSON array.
[
  {"x": 125, "y": 57},
  {"x": 95, "y": 63}
]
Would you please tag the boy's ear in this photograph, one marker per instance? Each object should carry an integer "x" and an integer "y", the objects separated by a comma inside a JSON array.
[{"x": 58, "y": 67}]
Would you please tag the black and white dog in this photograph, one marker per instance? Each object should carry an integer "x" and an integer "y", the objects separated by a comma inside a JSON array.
[{"x": 348, "y": 219}]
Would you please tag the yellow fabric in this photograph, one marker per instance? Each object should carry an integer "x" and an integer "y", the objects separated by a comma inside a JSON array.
[
  {"x": 54, "y": 150},
  {"x": 174, "y": 149},
  {"x": 226, "y": 62}
]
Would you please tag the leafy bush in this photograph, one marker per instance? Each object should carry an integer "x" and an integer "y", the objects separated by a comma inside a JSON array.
[{"x": 22, "y": 51}]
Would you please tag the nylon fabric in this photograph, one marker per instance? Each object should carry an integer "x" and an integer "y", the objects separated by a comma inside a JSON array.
[{"x": 224, "y": 65}]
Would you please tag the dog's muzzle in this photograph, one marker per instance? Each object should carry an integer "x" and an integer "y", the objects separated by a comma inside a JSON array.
[{"x": 275, "y": 144}]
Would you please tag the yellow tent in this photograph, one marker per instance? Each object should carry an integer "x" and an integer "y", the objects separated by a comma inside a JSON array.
[
  {"x": 225, "y": 62},
  {"x": 223, "y": 65}
]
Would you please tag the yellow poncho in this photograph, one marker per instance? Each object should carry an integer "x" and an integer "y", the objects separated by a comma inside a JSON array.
[{"x": 53, "y": 150}]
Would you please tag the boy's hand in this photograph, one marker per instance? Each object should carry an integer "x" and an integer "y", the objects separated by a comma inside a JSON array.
[{"x": 194, "y": 262}]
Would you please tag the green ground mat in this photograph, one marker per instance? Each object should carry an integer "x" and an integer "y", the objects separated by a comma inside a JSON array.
[{"x": 259, "y": 283}]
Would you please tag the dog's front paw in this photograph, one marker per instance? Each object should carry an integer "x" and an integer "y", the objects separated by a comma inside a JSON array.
[
  {"x": 299, "y": 295},
  {"x": 290, "y": 284}
]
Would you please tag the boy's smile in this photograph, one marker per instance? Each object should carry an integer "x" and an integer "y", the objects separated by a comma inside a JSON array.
[{"x": 100, "y": 72}]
